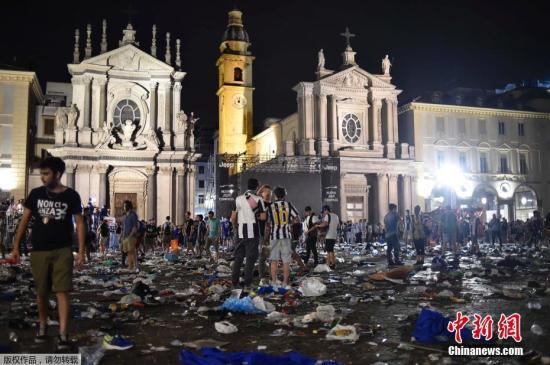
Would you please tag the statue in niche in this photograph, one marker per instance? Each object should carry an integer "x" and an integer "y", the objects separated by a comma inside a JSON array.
[
  {"x": 386, "y": 65},
  {"x": 181, "y": 118},
  {"x": 190, "y": 132},
  {"x": 127, "y": 131},
  {"x": 72, "y": 116},
  {"x": 320, "y": 60},
  {"x": 60, "y": 118}
]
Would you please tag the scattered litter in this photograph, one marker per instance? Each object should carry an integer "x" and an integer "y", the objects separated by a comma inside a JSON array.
[
  {"x": 225, "y": 327},
  {"x": 343, "y": 333},
  {"x": 312, "y": 287}
]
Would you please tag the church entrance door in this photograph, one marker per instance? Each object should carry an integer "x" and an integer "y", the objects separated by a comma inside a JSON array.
[{"x": 119, "y": 201}]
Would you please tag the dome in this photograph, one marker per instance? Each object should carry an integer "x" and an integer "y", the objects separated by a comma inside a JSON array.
[{"x": 235, "y": 29}]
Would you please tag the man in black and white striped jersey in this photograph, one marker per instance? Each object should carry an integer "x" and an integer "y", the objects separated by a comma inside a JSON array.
[
  {"x": 281, "y": 214},
  {"x": 249, "y": 209}
]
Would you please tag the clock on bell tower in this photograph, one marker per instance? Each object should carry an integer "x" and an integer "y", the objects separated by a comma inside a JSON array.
[{"x": 235, "y": 87}]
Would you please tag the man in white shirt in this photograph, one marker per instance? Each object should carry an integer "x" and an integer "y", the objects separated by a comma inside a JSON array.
[
  {"x": 249, "y": 209},
  {"x": 331, "y": 221}
]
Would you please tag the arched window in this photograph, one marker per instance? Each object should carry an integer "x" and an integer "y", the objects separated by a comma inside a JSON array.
[{"x": 237, "y": 74}]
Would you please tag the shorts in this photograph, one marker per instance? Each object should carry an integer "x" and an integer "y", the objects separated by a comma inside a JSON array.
[
  {"x": 281, "y": 250},
  {"x": 52, "y": 270},
  {"x": 294, "y": 244},
  {"x": 329, "y": 245},
  {"x": 129, "y": 244},
  {"x": 103, "y": 241},
  {"x": 149, "y": 241},
  {"x": 213, "y": 240}
]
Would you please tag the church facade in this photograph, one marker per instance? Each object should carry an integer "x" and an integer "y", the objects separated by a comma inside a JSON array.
[
  {"x": 346, "y": 123},
  {"x": 125, "y": 136}
]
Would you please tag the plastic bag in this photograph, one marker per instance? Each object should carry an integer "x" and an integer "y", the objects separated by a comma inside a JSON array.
[
  {"x": 225, "y": 327},
  {"x": 325, "y": 313},
  {"x": 322, "y": 268},
  {"x": 209, "y": 356},
  {"x": 343, "y": 333},
  {"x": 91, "y": 355},
  {"x": 312, "y": 287},
  {"x": 244, "y": 305},
  {"x": 262, "y": 305},
  {"x": 130, "y": 299}
]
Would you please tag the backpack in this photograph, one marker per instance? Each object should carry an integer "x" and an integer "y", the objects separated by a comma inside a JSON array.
[
  {"x": 141, "y": 228},
  {"x": 167, "y": 229},
  {"x": 104, "y": 228}
]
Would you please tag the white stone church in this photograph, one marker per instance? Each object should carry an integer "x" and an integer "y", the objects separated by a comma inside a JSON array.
[
  {"x": 125, "y": 137},
  {"x": 347, "y": 115}
]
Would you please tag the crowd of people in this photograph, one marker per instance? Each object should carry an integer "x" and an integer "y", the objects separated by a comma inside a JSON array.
[{"x": 264, "y": 230}]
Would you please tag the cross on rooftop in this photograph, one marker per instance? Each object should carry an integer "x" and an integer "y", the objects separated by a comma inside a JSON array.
[
  {"x": 347, "y": 35},
  {"x": 130, "y": 11}
]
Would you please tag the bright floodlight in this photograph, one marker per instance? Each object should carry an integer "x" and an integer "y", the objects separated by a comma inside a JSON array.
[
  {"x": 452, "y": 176},
  {"x": 523, "y": 200},
  {"x": 7, "y": 180},
  {"x": 484, "y": 200}
]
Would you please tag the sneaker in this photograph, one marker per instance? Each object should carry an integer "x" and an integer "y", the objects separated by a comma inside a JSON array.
[
  {"x": 41, "y": 337},
  {"x": 116, "y": 343},
  {"x": 63, "y": 345}
]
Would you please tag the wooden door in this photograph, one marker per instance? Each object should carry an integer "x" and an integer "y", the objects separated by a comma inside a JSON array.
[{"x": 119, "y": 202}]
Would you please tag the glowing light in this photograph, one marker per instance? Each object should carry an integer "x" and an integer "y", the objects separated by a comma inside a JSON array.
[
  {"x": 484, "y": 200},
  {"x": 452, "y": 176},
  {"x": 523, "y": 200},
  {"x": 424, "y": 187},
  {"x": 7, "y": 179}
]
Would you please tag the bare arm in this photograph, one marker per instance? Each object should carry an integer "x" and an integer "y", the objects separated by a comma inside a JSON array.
[
  {"x": 21, "y": 229},
  {"x": 234, "y": 218},
  {"x": 81, "y": 232}
]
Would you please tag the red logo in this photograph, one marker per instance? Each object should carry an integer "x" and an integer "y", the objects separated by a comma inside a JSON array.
[{"x": 508, "y": 326}]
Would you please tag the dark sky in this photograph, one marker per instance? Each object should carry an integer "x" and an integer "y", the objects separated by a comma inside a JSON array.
[{"x": 433, "y": 44}]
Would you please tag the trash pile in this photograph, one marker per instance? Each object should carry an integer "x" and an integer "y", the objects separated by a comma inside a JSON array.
[{"x": 185, "y": 308}]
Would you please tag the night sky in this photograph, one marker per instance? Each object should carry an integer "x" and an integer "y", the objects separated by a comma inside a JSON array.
[{"x": 432, "y": 44}]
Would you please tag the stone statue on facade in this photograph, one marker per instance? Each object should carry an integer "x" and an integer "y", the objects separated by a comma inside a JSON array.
[
  {"x": 127, "y": 131},
  {"x": 190, "y": 132},
  {"x": 386, "y": 65},
  {"x": 181, "y": 118},
  {"x": 60, "y": 118},
  {"x": 321, "y": 60},
  {"x": 72, "y": 115},
  {"x": 107, "y": 137},
  {"x": 148, "y": 141}
]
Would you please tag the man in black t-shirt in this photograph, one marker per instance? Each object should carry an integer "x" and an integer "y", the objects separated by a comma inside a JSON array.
[
  {"x": 53, "y": 207},
  {"x": 151, "y": 233}
]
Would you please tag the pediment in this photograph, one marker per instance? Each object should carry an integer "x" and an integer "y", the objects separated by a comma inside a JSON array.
[
  {"x": 355, "y": 77},
  {"x": 129, "y": 58},
  {"x": 464, "y": 144}
]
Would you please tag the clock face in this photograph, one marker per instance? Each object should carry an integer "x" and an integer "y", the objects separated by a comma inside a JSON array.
[{"x": 239, "y": 101}]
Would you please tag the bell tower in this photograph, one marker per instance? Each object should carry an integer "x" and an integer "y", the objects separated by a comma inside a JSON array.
[{"x": 235, "y": 87}]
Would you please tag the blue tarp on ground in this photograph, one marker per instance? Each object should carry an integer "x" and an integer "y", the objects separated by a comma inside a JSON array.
[
  {"x": 213, "y": 356},
  {"x": 431, "y": 327}
]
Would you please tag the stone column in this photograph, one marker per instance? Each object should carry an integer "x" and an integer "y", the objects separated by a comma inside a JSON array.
[
  {"x": 407, "y": 192},
  {"x": 99, "y": 100},
  {"x": 180, "y": 200},
  {"x": 165, "y": 111},
  {"x": 151, "y": 193},
  {"x": 376, "y": 121},
  {"x": 102, "y": 198},
  {"x": 190, "y": 187},
  {"x": 322, "y": 144},
  {"x": 332, "y": 123},
  {"x": 393, "y": 194},
  {"x": 85, "y": 134},
  {"x": 390, "y": 143},
  {"x": 395, "y": 121},
  {"x": 305, "y": 102},
  {"x": 70, "y": 175},
  {"x": 153, "y": 105},
  {"x": 382, "y": 190},
  {"x": 176, "y": 102}
]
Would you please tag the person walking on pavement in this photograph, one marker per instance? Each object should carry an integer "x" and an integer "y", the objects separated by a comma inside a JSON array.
[
  {"x": 264, "y": 192},
  {"x": 311, "y": 236},
  {"x": 53, "y": 207},
  {"x": 330, "y": 224},
  {"x": 419, "y": 235},
  {"x": 391, "y": 223},
  {"x": 248, "y": 211},
  {"x": 129, "y": 235}
]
